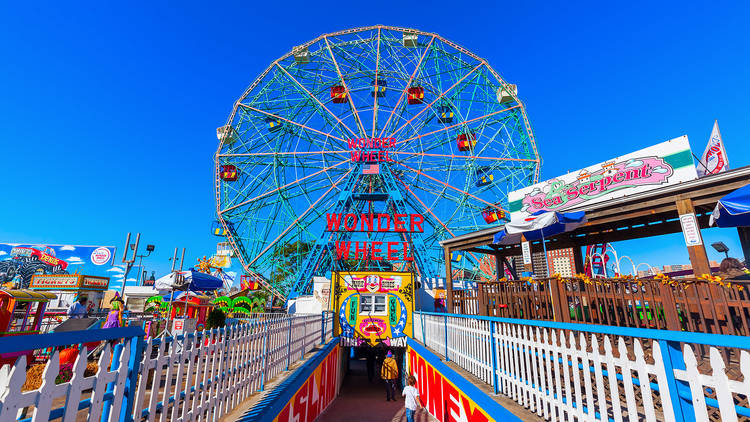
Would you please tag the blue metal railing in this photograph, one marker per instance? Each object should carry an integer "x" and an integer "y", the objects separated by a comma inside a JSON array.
[{"x": 669, "y": 343}]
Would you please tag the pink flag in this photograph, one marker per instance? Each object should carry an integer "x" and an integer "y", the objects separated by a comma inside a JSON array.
[{"x": 714, "y": 159}]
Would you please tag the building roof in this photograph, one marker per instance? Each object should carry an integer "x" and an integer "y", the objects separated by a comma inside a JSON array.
[{"x": 644, "y": 214}]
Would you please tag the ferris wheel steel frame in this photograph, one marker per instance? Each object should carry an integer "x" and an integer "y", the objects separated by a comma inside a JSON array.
[{"x": 422, "y": 177}]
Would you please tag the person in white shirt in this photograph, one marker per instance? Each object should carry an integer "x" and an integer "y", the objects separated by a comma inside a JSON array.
[
  {"x": 78, "y": 308},
  {"x": 412, "y": 402}
]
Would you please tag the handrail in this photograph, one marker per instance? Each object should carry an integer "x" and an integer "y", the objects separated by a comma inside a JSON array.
[
  {"x": 12, "y": 344},
  {"x": 724, "y": 340}
]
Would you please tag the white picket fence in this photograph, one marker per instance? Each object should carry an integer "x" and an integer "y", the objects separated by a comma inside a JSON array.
[
  {"x": 591, "y": 373},
  {"x": 177, "y": 379}
]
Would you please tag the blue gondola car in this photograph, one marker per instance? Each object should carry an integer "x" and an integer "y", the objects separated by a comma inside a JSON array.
[
  {"x": 456, "y": 256},
  {"x": 484, "y": 176},
  {"x": 273, "y": 124},
  {"x": 378, "y": 90},
  {"x": 218, "y": 230},
  {"x": 445, "y": 114}
]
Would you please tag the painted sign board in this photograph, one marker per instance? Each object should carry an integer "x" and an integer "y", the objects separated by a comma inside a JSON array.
[
  {"x": 373, "y": 307},
  {"x": 68, "y": 282},
  {"x": 660, "y": 165},
  {"x": 316, "y": 393},
  {"x": 18, "y": 262},
  {"x": 448, "y": 396}
]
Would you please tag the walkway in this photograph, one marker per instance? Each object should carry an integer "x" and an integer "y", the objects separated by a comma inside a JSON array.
[{"x": 364, "y": 402}]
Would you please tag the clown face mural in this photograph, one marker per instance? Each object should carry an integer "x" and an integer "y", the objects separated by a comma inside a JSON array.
[{"x": 373, "y": 308}]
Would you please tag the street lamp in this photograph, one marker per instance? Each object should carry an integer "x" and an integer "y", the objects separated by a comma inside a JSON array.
[
  {"x": 149, "y": 249},
  {"x": 721, "y": 247}
]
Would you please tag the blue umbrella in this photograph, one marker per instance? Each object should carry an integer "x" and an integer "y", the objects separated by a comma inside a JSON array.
[
  {"x": 733, "y": 210},
  {"x": 540, "y": 225}
]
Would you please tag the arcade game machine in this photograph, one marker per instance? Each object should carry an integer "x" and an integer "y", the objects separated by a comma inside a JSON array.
[{"x": 373, "y": 312}]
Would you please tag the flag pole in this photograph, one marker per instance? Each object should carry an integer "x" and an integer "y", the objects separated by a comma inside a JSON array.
[{"x": 701, "y": 162}]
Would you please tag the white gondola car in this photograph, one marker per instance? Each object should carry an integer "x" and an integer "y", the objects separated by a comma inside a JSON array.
[
  {"x": 505, "y": 95},
  {"x": 301, "y": 54},
  {"x": 409, "y": 40},
  {"x": 226, "y": 133}
]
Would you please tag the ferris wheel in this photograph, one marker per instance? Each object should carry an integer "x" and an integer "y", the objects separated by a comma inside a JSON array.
[{"x": 374, "y": 120}]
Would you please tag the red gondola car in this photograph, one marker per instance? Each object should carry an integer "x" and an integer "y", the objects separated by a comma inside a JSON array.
[
  {"x": 228, "y": 173},
  {"x": 466, "y": 141},
  {"x": 492, "y": 215},
  {"x": 415, "y": 95},
  {"x": 338, "y": 94}
]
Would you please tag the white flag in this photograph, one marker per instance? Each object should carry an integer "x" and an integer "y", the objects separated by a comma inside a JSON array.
[{"x": 714, "y": 159}]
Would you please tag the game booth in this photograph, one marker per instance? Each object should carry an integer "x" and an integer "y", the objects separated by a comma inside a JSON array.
[
  {"x": 67, "y": 286},
  {"x": 21, "y": 313}
]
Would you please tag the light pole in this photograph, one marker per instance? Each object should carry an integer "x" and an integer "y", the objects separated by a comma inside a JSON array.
[
  {"x": 149, "y": 249},
  {"x": 721, "y": 247},
  {"x": 129, "y": 262}
]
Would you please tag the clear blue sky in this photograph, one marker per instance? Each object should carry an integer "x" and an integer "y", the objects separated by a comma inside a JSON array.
[{"x": 108, "y": 113}]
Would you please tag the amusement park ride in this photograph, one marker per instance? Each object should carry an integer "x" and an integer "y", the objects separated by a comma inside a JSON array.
[{"x": 367, "y": 124}]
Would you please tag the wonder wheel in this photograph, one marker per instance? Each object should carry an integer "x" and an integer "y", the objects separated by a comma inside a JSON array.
[{"x": 369, "y": 121}]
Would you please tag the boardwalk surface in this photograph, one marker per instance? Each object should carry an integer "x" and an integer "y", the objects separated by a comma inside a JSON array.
[{"x": 364, "y": 402}]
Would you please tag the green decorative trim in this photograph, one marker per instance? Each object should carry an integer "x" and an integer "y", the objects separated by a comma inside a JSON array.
[{"x": 680, "y": 159}]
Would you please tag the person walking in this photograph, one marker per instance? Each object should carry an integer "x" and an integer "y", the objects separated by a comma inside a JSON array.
[
  {"x": 412, "y": 402},
  {"x": 389, "y": 373},
  {"x": 78, "y": 308}
]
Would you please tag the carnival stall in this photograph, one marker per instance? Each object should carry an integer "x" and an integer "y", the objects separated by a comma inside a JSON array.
[
  {"x": 67, "y": 287},
  {"x": 21, "y": 313}
]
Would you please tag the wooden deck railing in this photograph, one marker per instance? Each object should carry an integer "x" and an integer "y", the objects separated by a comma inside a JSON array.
[{"x": 687, "y": 304}]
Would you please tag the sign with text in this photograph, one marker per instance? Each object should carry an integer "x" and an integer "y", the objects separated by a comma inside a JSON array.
[
  {"x": 317, "y": 392},
  {"x": 374, "y": 223},
  {"x": 663, "y": 164},
  {"x": 442, "y": 398},
  {"x": 690, "y": 230},
  {"x": 526, "y": 251}
]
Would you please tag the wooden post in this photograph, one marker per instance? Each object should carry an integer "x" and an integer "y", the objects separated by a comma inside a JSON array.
[
  {"x": 744, "y": 233},
  {"x": 481, "y": 300},
  {"x": 448, "y": 281},
  {"x": 559, "y": 301},
  {"x": 527, "y": 267},
  {"x": 578, "y": 258},
  {"x": 697, "y": 253},
  {"x": 499, "y": 267},
  {"x": 670, "y": 307}
]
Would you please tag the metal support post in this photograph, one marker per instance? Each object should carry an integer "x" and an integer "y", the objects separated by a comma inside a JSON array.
[
  {"x": 673, "y": 359},
  {"x": 134, "y": 366},
  {"x": 265, "y": 359},
  {"x": 323, "y": 327},
  {"x": 289, "y": 345},
  {"x": 494, "y": 357}
]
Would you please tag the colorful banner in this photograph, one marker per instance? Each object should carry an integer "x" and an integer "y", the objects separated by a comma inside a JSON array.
[
  {"x": 18, "y": 262},
  {"x": 714, "y": 159},
  {"x": 447, "y": 395},
  {"x": 317, "y": 392},
  {"x": 664, "y": 164},
  {"x": 373, "y": 307}
]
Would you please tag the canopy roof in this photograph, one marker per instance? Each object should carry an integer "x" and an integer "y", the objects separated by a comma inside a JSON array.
[
  {"x": 733, "y": 210},
  {"x": 28, "y": 295}
]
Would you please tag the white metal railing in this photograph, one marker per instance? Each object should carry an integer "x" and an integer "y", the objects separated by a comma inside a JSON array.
[
  {"x": 585, "y": 372},
  {"x": 185, "y": 378}
]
